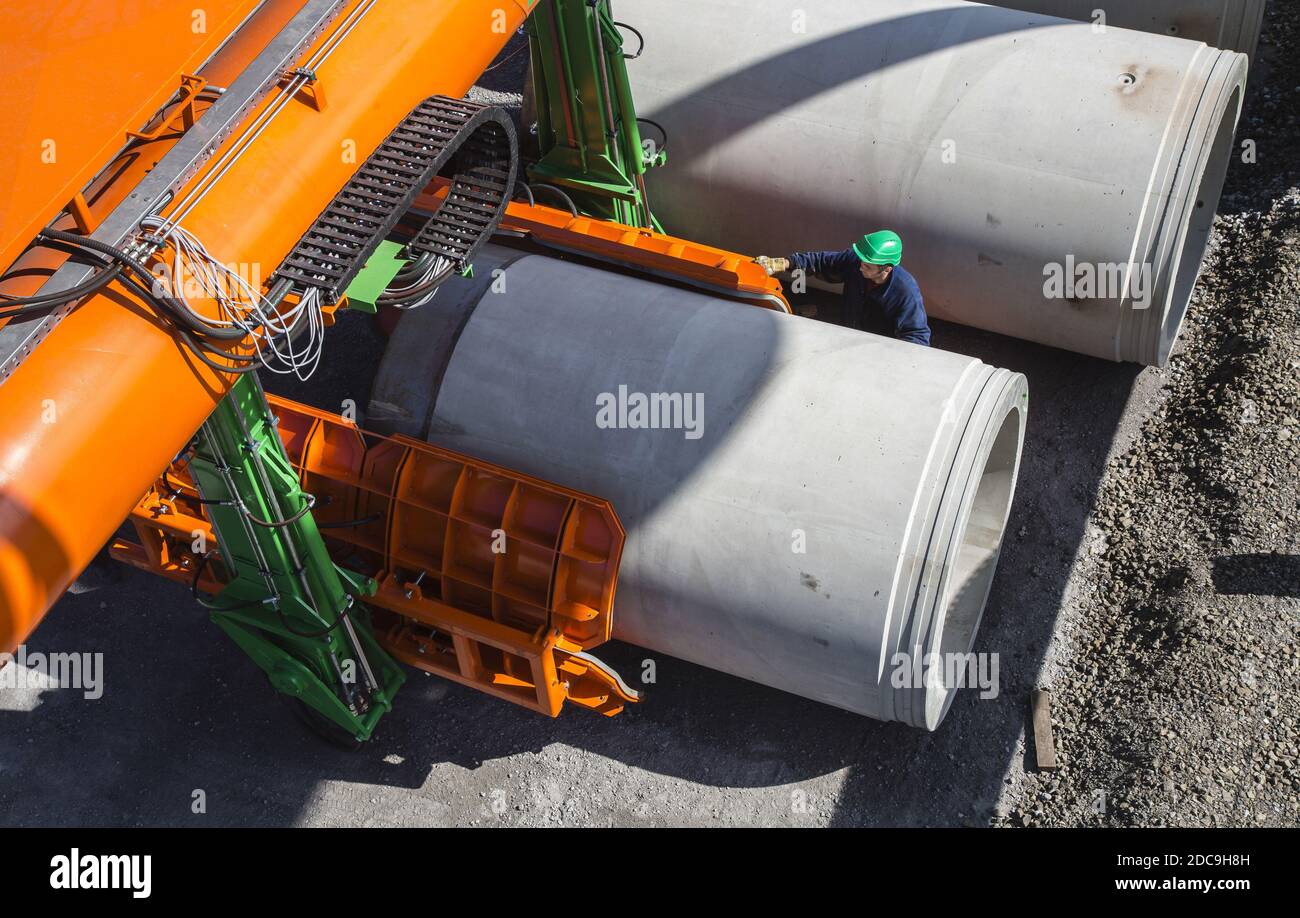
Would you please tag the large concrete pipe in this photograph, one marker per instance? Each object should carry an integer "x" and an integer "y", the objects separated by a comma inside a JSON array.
[
  {"x": 828, "y": 500},
  {"x": 1013, "y": 152},
  {"x": 1230, "y": 24}
]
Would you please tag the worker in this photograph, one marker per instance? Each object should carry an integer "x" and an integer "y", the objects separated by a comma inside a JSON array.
[{"x": 880, "y": 295}]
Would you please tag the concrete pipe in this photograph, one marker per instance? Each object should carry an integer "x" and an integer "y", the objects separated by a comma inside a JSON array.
[
  {"x": 1049, "y": 183},
  {"x": 818, "y": 502},
  {"x": 1230, "y": 24}
]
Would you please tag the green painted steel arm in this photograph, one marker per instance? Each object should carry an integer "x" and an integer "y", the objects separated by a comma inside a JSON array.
[
  {"x": 589, "y": 142},
  {"x": 286, "y": 604}
]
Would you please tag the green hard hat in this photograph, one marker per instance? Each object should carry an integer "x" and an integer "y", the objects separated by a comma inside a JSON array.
[{"x": 880, "y": 248}]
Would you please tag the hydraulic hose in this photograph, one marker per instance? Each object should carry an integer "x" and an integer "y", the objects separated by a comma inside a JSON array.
[{"x": 177, "y": 309}]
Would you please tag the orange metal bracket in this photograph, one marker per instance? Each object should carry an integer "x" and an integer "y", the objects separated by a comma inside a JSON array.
[
  {"x": 167, "y": 526},
  {"x": 485, "y": 576},
  {"x": 82, "y": 217},
  {"x": 313, "y": 93},
  {"x": 184, "y": 112}
]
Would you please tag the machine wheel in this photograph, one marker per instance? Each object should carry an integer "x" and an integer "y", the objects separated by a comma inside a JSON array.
[{"x": 320, "y": 725}]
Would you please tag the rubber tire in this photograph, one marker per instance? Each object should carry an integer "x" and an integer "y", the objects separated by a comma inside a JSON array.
[{"x": 320, "y": 725}]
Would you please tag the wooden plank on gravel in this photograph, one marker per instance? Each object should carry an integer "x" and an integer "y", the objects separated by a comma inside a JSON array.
[{"x": 1040, "y": 702}]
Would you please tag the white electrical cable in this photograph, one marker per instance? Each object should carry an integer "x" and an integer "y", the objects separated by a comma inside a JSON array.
[
  {"x": 240, "y": 304},
  {"x": 440, "y": 265}
]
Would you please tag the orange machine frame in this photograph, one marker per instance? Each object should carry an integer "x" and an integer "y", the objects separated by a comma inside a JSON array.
[
  {"x": 485, "y": 576},
  {"x": 85, "y": 392}
]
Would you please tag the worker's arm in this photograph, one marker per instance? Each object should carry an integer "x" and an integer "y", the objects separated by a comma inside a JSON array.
[{"x": 833, "y": 264}]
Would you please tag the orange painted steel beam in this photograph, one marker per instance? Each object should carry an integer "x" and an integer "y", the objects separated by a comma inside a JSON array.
[
  {"x": 486, "y": 576},
  {"x": 77, "y": 76},
  {"x": 105, "y": 402}
]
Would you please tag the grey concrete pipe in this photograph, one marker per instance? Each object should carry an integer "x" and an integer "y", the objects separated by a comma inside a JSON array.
[
  {"x": 1050, "y": 183},
  {"x": 828, "y": 501},
  {"x": 1230, "y": 24}
]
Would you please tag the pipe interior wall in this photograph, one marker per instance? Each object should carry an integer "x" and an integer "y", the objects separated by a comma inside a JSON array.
[
  {"x": 831, "y": 500},
  {"x": 1006, "y": 148}
]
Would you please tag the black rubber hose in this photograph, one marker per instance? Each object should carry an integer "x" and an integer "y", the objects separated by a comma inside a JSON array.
[
  {"x": 268, "y": 524},
  {"x": 21, "y": 305},
  {"x": 519, "y": 183},
  {"x": 142, "y": 271},
  {"x": 573, "y": 208},
  {"x": 118, "y": 272},
  {"x": 663, "y": 147},
  {"x": 119, "y": 268},
  {"x": 194, "y": 591},
  {"x": 200, "y": 349},
  {"x": 637, "y": 33},
  {"x": 414, "y": 270}
]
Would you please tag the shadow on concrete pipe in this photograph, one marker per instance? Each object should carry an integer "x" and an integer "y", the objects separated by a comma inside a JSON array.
[
  {"x": 1008, "y": 149},
  {"x": 824, "y": 515}
]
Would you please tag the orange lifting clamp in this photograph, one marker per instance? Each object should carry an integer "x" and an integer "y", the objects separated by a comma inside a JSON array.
[
  {"x": 483, "y": 575},
  {"x": 706, "y": 267}
]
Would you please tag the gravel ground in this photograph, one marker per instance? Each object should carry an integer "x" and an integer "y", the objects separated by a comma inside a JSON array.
[
  {"x": 1148, "y": 580},
  {"x": 1175, "y": 685}
]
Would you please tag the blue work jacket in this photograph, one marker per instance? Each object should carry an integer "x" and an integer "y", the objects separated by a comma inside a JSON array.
[{"x": 894, "y": 309}]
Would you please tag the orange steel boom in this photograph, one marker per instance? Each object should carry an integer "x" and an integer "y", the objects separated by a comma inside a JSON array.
[
  {"x": 111, "y": 379},
  {"x": 78, "y": 76}
]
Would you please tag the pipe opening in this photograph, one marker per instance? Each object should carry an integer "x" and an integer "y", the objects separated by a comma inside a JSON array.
[
  {"x": 1203, "y": 208},
  {"x": 971, "y": 575}
]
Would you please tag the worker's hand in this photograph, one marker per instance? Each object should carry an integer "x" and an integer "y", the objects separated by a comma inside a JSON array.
[{"x": 773, "y": 265}]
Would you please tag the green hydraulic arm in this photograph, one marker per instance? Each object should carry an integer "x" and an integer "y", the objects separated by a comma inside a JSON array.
[
  {"x": 286, "y": 604},
  {"x": 587, "y": 133}
]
